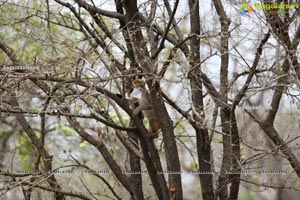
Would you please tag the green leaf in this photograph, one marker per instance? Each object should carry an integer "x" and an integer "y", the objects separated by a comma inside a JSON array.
[{"x": 65, "y": 129}]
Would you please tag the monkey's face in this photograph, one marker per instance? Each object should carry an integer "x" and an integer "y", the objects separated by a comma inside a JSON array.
[{"x": 137, "y": 85}]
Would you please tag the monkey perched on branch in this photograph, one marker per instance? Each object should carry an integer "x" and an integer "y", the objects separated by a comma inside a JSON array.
[{"x": 141, "y": 96}]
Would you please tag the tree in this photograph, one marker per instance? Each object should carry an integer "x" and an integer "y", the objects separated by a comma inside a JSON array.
[{"x": 68, "y": 66}]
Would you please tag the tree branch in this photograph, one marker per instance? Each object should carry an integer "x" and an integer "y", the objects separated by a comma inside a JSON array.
[{"x": 278, "y": 141}]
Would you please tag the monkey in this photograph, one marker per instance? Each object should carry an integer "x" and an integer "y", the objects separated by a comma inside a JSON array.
[{"x": 141, "y": 96}]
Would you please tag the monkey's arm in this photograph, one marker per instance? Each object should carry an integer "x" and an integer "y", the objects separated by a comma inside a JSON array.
[
  {"x": 132, "y": 100},
  {"x": 142, "y": 107}
]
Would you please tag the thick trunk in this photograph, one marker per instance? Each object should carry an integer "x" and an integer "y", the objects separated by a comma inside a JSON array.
[
  {"x": 231, "y": 144},
  {"x": 146, "y": 64},
  {"x": 135, "y": 166},
  {"x": 202, "y": 137}
]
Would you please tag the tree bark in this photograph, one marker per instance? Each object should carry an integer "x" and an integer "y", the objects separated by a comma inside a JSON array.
[
  {"x": 231, "y": 144},
  {"x": 147, "y": 65},
  {"x": 202, "y": 137}
]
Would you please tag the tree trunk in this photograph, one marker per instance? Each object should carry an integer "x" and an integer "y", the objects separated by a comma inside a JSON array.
[{"x": 202, "y": 137}]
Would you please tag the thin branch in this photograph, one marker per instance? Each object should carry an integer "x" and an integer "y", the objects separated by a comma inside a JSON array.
[
  {"x": 245, "y": 87},
  {"x": 71, "y": 194},
  {"x": 98, "y": 176},
  {"x": 278, "y": 141},
  {"x": 9, "y": 52},
  {"x": 94, "y": 9},
  {"x": 161, "y": 46}
]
